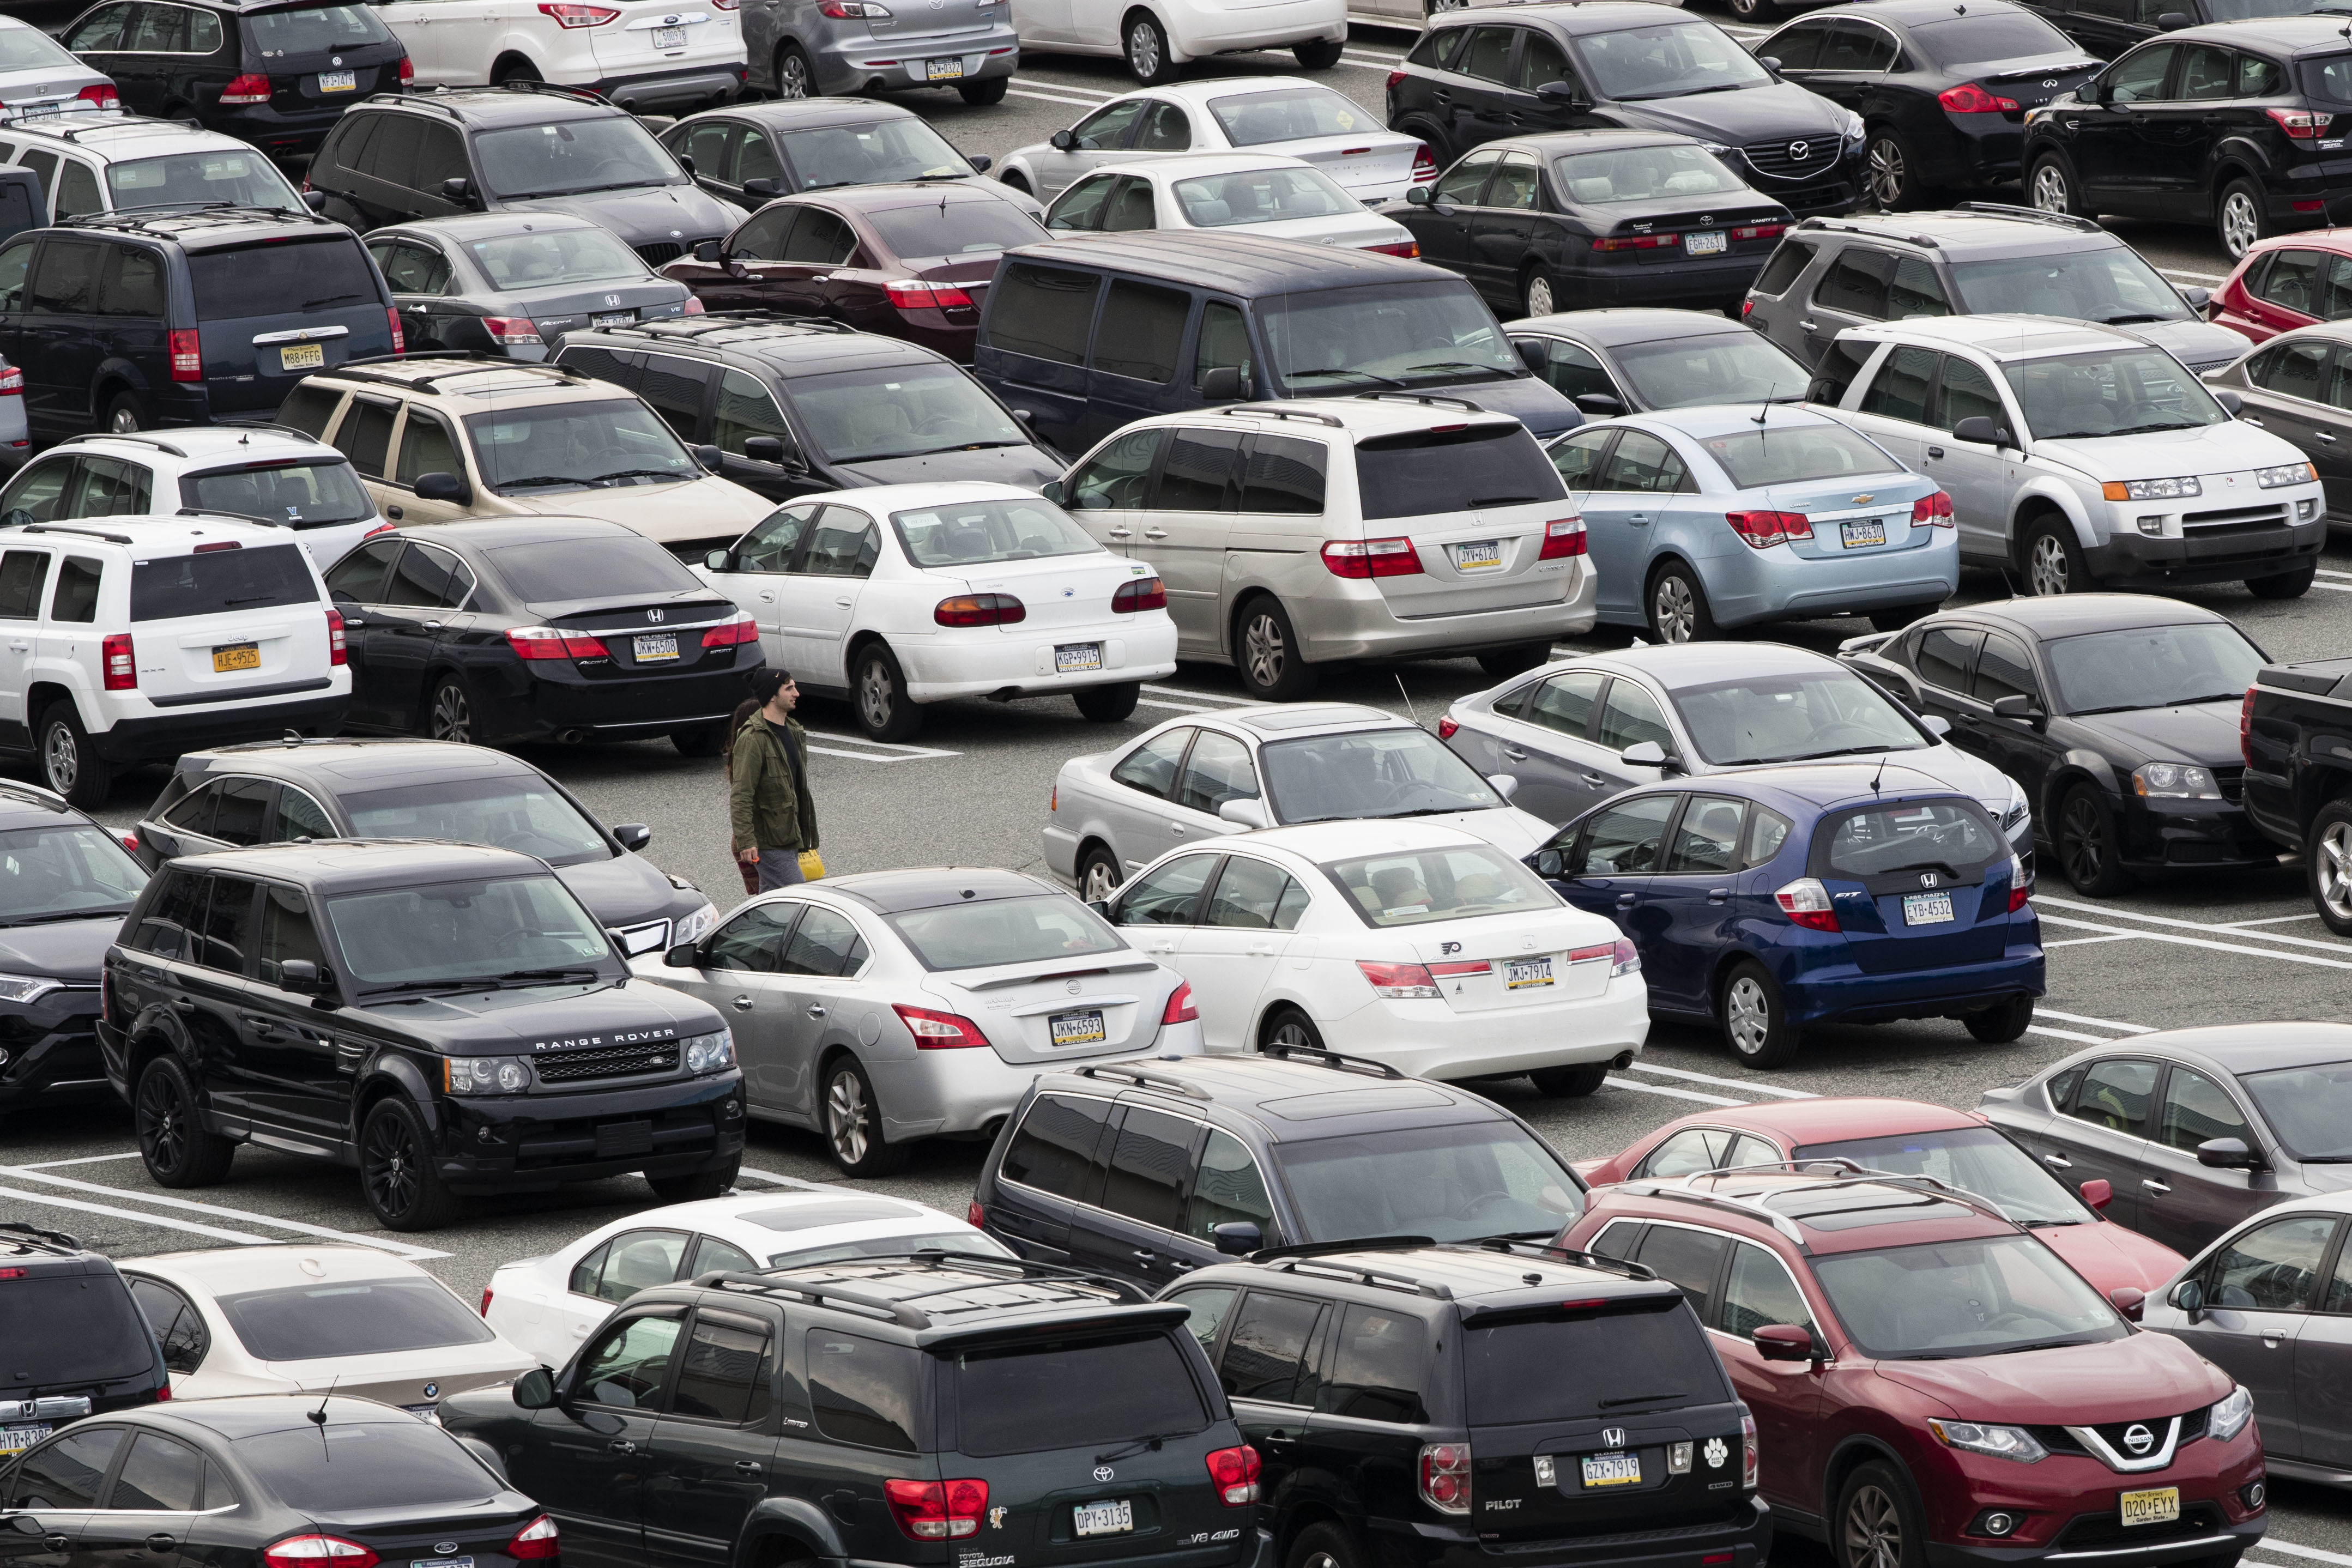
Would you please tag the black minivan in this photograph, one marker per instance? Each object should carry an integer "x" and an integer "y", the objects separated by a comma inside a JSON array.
[
  {"x": 125, "y": 322},
  {"x": 1082, "y": 337}
]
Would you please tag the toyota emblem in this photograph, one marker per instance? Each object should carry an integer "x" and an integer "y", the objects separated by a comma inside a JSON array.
[
  {"x": 444, "y": 1548},
  {"x": 1612, "y": 1436},
  {"x": 1103, "y": 1472},
  {"x": 1927, "y": 879},
  {"x": 1799, "y": 150},
  {"x": 652, "y": 615},
  {"x": 2138, "y": 1440}
]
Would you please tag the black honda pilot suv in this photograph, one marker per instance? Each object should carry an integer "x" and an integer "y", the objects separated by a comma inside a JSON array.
[
  {"x": 936, "y": 1409},
  {"x": 447, "y": 1018}
]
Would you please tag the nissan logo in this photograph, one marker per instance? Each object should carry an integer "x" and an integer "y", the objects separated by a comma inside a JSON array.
[
  {"x": 1799, "y": 150},
  {"x": 1103, "y": 1472},
  {"x": 1612, "y": 1436},
  {"x": 2138, "y": 1440}
]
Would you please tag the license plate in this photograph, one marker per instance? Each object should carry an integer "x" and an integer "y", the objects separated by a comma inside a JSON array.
[
  {"x": 2159, "y": 1505},
  {"x": 424, "y": 1412},
  {"x": 949, "y": 70},
  {"x": 302, "y": 357},
  {"x": 669, "y": 38},
  {"x": 338, "y": 81},
  {"x": 1612, "y": 1469},
  {"x": 1072, "y": 657},
  {"x": 1077, "y": 1028},
  {"x": 655, "y": 647},
  {"x": 617, "y": 319},
  {"x": 1927, "y": 908},
  {"x": 17, "y": 1439},
  {"x": 1520, "y": 972},
  {"x": 1703, "y": 244},
  {"x": 1106, "y": 1518},
  {"x": 1863, "y": 532},
  {"x": 1473, "y": 558},
  {"x": 441, "y": 1562},
  {"x": 235, "y": 657},
  {"x": 38, "y": 111}
]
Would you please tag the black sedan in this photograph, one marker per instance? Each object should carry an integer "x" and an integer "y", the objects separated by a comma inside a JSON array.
[
  {"x": 1634, "y": 360},
  {"x": 751, "y": 153},
  {"x": 1944, "y": 89},
  {"x": 2116, "y": 714},
  {"x": 1584, "y": 218},
  {"x": 65, "y": 885},
  {"x": 2295, "y": 387},
  {"x": 537, "y": 629},
  {"x": 261, "y": 1480},
  {"x": 510, "y": 284}
]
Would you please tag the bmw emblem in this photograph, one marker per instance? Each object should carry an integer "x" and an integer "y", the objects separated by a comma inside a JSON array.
[
  {"x": 1103, "y": 1472},
  {"x": 1799, "y": 150},
  {"x": 2138, "y": 1440},
  {"x": 433, "y": 1391}
]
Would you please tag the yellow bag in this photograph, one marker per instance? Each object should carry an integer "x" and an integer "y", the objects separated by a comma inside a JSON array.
[{"x": 811, "y": 865}]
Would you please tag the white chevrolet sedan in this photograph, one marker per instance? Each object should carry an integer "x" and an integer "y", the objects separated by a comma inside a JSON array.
[
  {"x": 1260, "y": 194},
  {"x": 1422, "y": 947},
  {"x": 902, "y": 595}
]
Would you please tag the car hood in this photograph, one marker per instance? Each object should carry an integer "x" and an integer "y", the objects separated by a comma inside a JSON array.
[
  {"x": 69, "y": 950},
  {"x": 2199, "y": 732},
  {"x": 1783, "y": 109},
  {"x": 1508, "y": 829},
  {"x": 2127, "y": 1379},
  {"x": 2200, "y": 345},
  {"x": 2112, "y": 1258},
  {"x": 535, "y": 1020},
  {"x": 706, "y": 508},
  {"x": 2230, "y": 447},
  {"x": 625, "y": 891},
  {"x": 1024, "y": 466},
  {"x": 681, "y": 214}
]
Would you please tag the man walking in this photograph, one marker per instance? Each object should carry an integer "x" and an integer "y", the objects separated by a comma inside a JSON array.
[{"x": 768, "y": 800}]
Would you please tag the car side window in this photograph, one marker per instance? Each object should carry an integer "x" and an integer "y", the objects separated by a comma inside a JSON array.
[
  {"x": 2207, "y": 72},
  {"x": 1282, "y": 476},
  {"x": 1706, "y": 840},
  {"x": 74, "y": 600},
  {"x": 1624, "y": 838},
  {"x": 66, "y": 282},
  {"x": 1965, "y": 391},
  {"x": 1054, "y": 1149},
  {"x": 711, "y": 1253},
  {"x": 709, "y": 145},
  {"x": 179, "y": 1327},
  {"x": 37, "y": 495},
  {"x": 769, "y": 546},
  {"x": 1516, "y": 180},
  {"x": 23, "y": 573},
  {"x": 427, "y": 446},
  {"x": 1857, "y": 46},
  {"x": 1577, "y": 457},
  {"x": 1629, "y": 716},
  {"x": 2291, "y": 280},
  {"x": 411, "y": 269},
  {"x": 1691, "y": 1259},
  {"x": 1198, "y": 473},
  {"x": 1899, "y": 390},
  {"x": 1208, "y": 1310},
  {"x": 1151, "y": 766},
  {"x": 193, "y": 813},
  {"x": 2298, "y": 370},
  {"x": 1265, "y": 1349},
  {"x": 66, "y": 1472},
  {"x": 108, "y": 487},
  {"x": 2197, "y": 1110},
  {"x": 1855, "y": 283},
  {"x": 844, "y": 544},
  {"x": 1468, "y": 177},
  {"x": 1575, "y": 371},
  {"x": 421, "y": 578},
  {"x": 286, "y": 934},
  {"x": 2004, "y": 670},
  {"x": 2258, "y": 77},
  {"x": 638, "y": 1261},
  {"x": 228, "y": 926},
  {"x": 2140, "y": 77},
  {"x": 1252, "y": 895},
  {"x": 100, "y": 32},
  {"x": 1142, "y": 327},
  {"x": 761, "y": 236},
  {"x": 1227, "y": 1189},
  {"x": 159, "y": 1475},
  {"x": 756, "y": 159},
  {"x": 359, "y": 577},
  {"x": 1081, "y": 206},
  {"x": 676, "y": 390},
  {"x": 1564, "y": 703},
  {"x": 1166, "y": 129},
  {"x": 1915, "y": 292},
  {"x": 1839, "y": 364},
  {"x": 1380, "y": 1368},
  {"x": 820, "y": 238},
  {"x": 1643, "y": 464},
  {"x": 1489, "y": 53},
  {"x": 1760, "y": 1290},
  {"x": 365, "y": 434},
  {"x": 238, "y": 819},
  {"x": 746, "y": 409},
  {"x": 728, "y": 1370},
  {"x": 1148, "y": 1162},
  {"x": 1167, "y": 896},
  {"x": 1218, "y": 771},
  {"x": 627, "y": 1367},
  {"x": 1107, "y": 129},
  {"x": 825, "y": 942},
  {"x": 1945, "y": 655},
  {"x": 1767, "y": 832},
  {"x": 1798, "y": 47},
  {"x": 2116, "y": 1095},
  {"x": 862, "y": 1390},
  {"x": 1689, "y": 1151},
  {"x": 753, "y": 941},
  {"x": 2270, "y": 1268},
  {"x": 1541, "y": 63},
  {"x": 1223, "y": 342},
  {"x": 169, "y": 928},
  {"x": 133, "y": 284},
  {"x": 1119, "y": 477}
]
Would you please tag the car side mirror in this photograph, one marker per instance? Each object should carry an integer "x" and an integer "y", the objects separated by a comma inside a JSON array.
[
  {"x": 2188, "y": 1295},
  {"x": 1226, "y": 383},
  {"x": 686, "y": 161},
  {"x": 980, "y": 162},
  {"x": 633, "y": 836},
  {"x": 763, "y": 449},
  {"x": 706, "y": 250},
  {"x": 1062, "y": 141},
  {"x": 1504, "y": 784},
  {"x": 1937, "y": 725},
  {"x": 1783, "y": 1341},
  {"x": 2017, "y": 705},
  {"x": 1769, "y": 62},
  {"x": 1981, "y": 431},
  {"x": 2197, "y": 299},
  {"x": 1601, "y": 405},
  {"x": 2231, "y": 401},
  {"x": 1564, "y": 94},
  {"x": 458, "y": 189},
  {"x": 2227, "y": 1155},
  {"x": 1238, "y": 1238},
  {"x": 315, "y": 200},
  {"x": 763, "y": 189},
  {"x": 2130, "y": 1302},
  {"x": 2173, "y": 21},
  {"x": 710, "y": 457},
  {"x": 1104, "y": 907},
  {"x": 1420, "y": 196},
  {"x": 2097, "y": 1193},
  {"x": 719, "y": 560},
  {"x": 1551, "y": 864},
  {"x": 1643, "y": 754},
  {"x": 1248, "y": 811},
  {"x": 1051, "y": 490},
  {"x": 535, "y": 1389},
  {"x": 685, "y": 956},
  {"x": 1530, "y": 352},
  {"x": 439, "y": 486},
  {"x": 300, "y": 976}
]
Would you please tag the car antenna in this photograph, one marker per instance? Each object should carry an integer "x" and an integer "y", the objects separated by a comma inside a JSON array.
[
  {"x": 1408, "y": 699},
  {"x": 318, "y": 1417}
]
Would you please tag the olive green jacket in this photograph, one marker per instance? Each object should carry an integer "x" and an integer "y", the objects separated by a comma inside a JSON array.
[{"x": 767, "y": 807}]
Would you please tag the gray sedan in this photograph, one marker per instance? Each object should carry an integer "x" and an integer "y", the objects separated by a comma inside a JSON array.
[
  {"x": 510, "y": 284},
  {"x": 39, "y": 76},
  {"x": 1633, "y": 359}
]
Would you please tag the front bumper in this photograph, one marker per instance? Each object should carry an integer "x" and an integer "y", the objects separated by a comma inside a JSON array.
[
  {"x": 1427, "y": 1039},
  {"x": 535, "y": 1143},
  {"x": 49, "y": 1051},
  {"x": 878, "y": 64},
  {"x": 660, "y": 90},
  {"x": 2067, "y": 1508},
  {"x": 938, "y": 669},
  {"x": 2267, "y": 550},
  {"x": 166, "y": 736},
  {"x": 2159, "y": 833}
]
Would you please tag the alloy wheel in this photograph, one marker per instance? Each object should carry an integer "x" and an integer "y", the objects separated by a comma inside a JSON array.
[
  {"x": 1100, "y": 884},
  {"x": 876, "y": 695},
  {"x": 792, "y": 77},
  {"x": 1435, "y": 7},
  {"x": 845, "y": 1117},
  {"x": 1291, "y": 1033},
  {"x": 1143, "y": 51},
  {"x": 2050, "y": 193},
  {"x": 1540, "y": 300},
  {"x": 2240, "y": 223},
  {"x": 2336, "y": 870},
  {"x": 388, "y": 1164},
  {"x": 123, "y": 422},
  {"x": 1874, "y": 1531},
  {"x": 162, "y": 1122},
  {"x": 453, "y": 719},
  {"x": 1747, "y": 1015},
  {"x": 1888, "y": 178},
  {"x": 2047, "y": 570},
  {"x": 2078, "y": 840},
  {"x": 61, "y": 759},
  {"x": 1672, "y": 609},
  {"x": 1264, "y": 652}
]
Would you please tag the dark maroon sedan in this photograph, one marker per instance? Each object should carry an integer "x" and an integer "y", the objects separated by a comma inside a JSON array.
[{"x": 910, "y": 260}]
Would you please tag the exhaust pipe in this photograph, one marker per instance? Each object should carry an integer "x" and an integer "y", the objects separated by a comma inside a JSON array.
[
  {"x": 572, "y": 737},
  {"x": 1621, "y": 1060}
]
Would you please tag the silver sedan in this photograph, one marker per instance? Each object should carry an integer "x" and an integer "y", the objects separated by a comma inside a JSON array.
[{"x": 39, "y": 77}]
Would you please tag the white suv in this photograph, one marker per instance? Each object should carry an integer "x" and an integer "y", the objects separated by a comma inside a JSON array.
[
  {"x": 131, "y": 639},
  {"x": 2081, "y": 457},
  {"x": 277, "y": 476},
  {"x": 646, "y": 56},
  {"x": 91, "y": 161}
]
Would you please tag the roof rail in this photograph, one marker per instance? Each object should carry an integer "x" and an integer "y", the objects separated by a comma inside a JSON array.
[
  {"x": 1332, "y": 1059},
  {"x": 753, "y": 318},
  {"x": 132, "y": 217},
  {"x": 1512, "y": 1245},
  {"x": 471, "y": 361},
  {"x": 127, "y": 122},
  {"x": 1263, "y": 411},
  {"x": 1681, "y": 1190},
  {"x": 1429, "y": 399},
  {"x": 2006, "y": 210},
  {"x": 85, "y": 533},
  {"x": 911, "y": 1317},
  {"x": 563, "y": 90},
  {"x": 419, "y": 100},
  {"x": 1025, "y": 1267},
  {"x": 897, "y": 1308},
  {"x": 1144, "y": 1078},
  {"x": 1840, "y": 225},
  {"x": 227, "y": 515},
  {"x": 1365, "y": 1273},
  {"x": 33, "y": 1235},
  {"x": 137, "y": 440},
  {"x": 1361, "y": 1244}
]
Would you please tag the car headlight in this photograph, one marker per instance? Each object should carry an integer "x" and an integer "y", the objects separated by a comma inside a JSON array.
[
  {"x": 2015, "y": 814},
  {"x": 709, "y": 1053},
  {"x": 2229, "y": 1415},
  {"x": 26, "y": 988},
  {"x": 2174, "y": 781},
  {"x": 2289, "y": 474},
  {"x": 1998, "y": 1442},
  {"x": 2151, "y": 489},
  {"x": 695, "y": 926},
  {"x": 486, "y": 1074}
]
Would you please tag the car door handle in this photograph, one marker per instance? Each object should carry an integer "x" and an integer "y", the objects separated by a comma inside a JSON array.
[
  {"x": 1595, "y": 780},
  {"x": 842, "y": 602},
  {"x": 748, "y": 1467},
  {"x": 2058, "y": 1162},
  {"x": 741, "y": 1004},
  {"x": 1808, "y": 327},
  {"x": 1717, "y": 894},
  {"x": 20, "y": 647},
  {"x": 57, "y": 1542},
  {"x": 2155, "y": 1187},
  {"x": 1639, "y": 519},
  {"x": 2273, "y": 1339},
  {"x": 1281, "y": 1438},
  {"x": 262, "y": 1028},
  {"x": 1935, "y": 452},
  {"x": 1515, "y": 754},
  {"x": 1177, "y": 829},
  {"x": 1627, "y": 900},
  {"x": 1155, "y": 533},
  {"x": 1119, "y": 533},
  {"x": 816, "y": 1010},
  {"x": 620, "y": 1445},
  {"x": 160, "y": 1543},
  {"x": 183, "y": 1005},
  {"x": 2250, "y": 419},
  {"x": 2325, "y": 436}
]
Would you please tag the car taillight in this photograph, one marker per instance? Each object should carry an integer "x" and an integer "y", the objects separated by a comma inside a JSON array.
[
  {"x": 2246, "y": 728},
  {"x": 1625, "y": 959},
  {"x": 1424, "y": 164},
  {"x": 936, "y": 1510},
  {"x": 537, "y": 1539},
  {"x": 908, "y": 294},
  {"x": 1445, "y": 1476},
  {"x": 217, "y": 545},
  {"x": 1447, "y": 727},
  {"x": 511, "y": 329},
  {"x": 1748, "y": 1451},
  {"x": 694, "y": 307},
  {"x": 1395, "y": 77},
  {"x": 163, "y": 1391},
  {"x": 1762, "y": 530},
  {"x": 247, "y": 88},
  {"x": 318, "y": 1551},
  {"x": 99, "y": 96},
  {"x": 1759, "y": 231},
  {"x": 1409, "y": 249},
  {"x": 120, "y": 665},
  {"x": 336, "y": 653},
  {"x": 486, "y": 1301},
  {"x": 1969, "y": 98},
  {"x": 2019, "y": 889},
  {"x": 1399, "y": 982},
  {"x": 1747, "y": 306},
  {"x": 1235, "y": 1472},
  {"x": 1933, "y": 511},
  {"x": 937, "y": 1030},
  {"x": 399, "y": 338},
  {"x": 407, "y": 70},
  {"x": 1806, "y": 903},
  {"x": 980, "y": 610},
  {"x": 1372, "y": 557},
  {"x": 1563, "y": 537},
  {"x": 728, "y": 633},
  {"x": 974, "y": 1215},
  {"x": 12, "y": 383},
  {"x": 1142, "y": 593},
  {"x": 726, "y": 5},
  {"x": 1179, "y": 1007},
  {"x": 2300, "y": 124},
  {"x": 553, "y": 642},
  {"x": 187, "y": 355},
  {"x": 568, "y": 16},
  {"x": 379, "y": 529},
  {"x": 1638, "y": 242}
]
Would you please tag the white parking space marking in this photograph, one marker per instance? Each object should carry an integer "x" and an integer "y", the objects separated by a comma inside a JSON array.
[
  {"x": 2271, "y": 1543},
  {"x": 1773, "y": 1091},
  {"x": 1199, "y": 696},
  {"x": 2074, "y": 1035},
  {"x": 2272, "y": 920},
  {"x": 2207, "y": 279},
  {"x": 1057, "y": 97},
  {"x": 2165, "y": 920},
  {"x": 1616, "y": 1081},
  {"x": 380, "y": 1243},
  {"x": 880, "y": 749},
  {"x": 2042, "y": 1012},
  {"x": 786, "y": 1181},
  {"x": 2087, "y": 941},
  {"x": 85, "y": 1160},
  {"x": 49, "y": 1200},
  {"x": 1179, "y": 707},
  {"x": 2312, "y": 959}
]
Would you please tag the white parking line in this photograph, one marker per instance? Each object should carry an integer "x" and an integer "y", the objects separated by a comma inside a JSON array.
[
  {"x": 1179, "y": 707},
  {"x": 1750, "y": 1086},
  {"x": 790, "y": 1181},
  {"x": 2042, "y": 1012},
  {"x": 906, "y": 753},
  {"x": 85, "y": 1160},
  {"x": 2202, "y": 942},
  {"x": 1616, "y": 1081},
  {"x": 2272, "y": 920},
  {"x": 2085, "y": 941},
  {"x": 2273, "y": 1543},
  {"x": 1200, "y": 697},
  {"x": 2078, "y": 1038},
  {"x": 2206, "y": 277},
  {"x": 381, "y": 1244},
  {"x": 2195, "y": 926},
  {"x": 51, "y": 1200},
  {"x": 1057, "y": 97},
  {"x": 2325, "y": 572}
]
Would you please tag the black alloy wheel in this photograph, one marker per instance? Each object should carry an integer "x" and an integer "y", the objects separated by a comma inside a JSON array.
[
  {"x": 2088, "y": 846},
  {"x": 172, "y": 1143},
  {"x": 397, "y": 1174}
]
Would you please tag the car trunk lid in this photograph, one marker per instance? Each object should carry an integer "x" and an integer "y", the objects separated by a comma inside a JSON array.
[
  {"x": 321, "y": 56},
  {"x": 1057, "y": 591},
  {"x": 1057, "y": 1010},
  {"x": 1483, "y": 965},
  {"x": 1916, "y": 885},
  {"x": 1357, "y": 161},
  {"x": 1851, "y": 516},
  {"x": 215, "y": 625},
  {"x": 642, "y": 634}
]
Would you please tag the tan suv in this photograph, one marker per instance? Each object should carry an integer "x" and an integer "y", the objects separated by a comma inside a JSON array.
[{"x": 441, "y": 439}]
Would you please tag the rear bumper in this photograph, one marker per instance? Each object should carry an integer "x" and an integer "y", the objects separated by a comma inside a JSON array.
[
  {"x": 1348, "y": 619},
  {"x": 970, "y": 668},
  {"x": 1430, "y": 1040},
  {"x": 1846, "y": 995},
  {"x": 281, "y": 130},
  {"x": 1747, "y": 1537},
  {"x": 2228, "y": 558},
  {"x": 164, "y": 737},
  {"x": 927, "y": 1093},
  {"x": 520, "y": 703},
  {"x": 1680, "y": 284},
  {"x": 660, "y": 89},
  {"x": 873, "y": 64},
  {"x": 1777, "y": 584}
]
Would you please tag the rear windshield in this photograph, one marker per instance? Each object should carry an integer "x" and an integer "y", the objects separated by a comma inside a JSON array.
[
  {"x": 1413, "y": 887},
  {"x": 1292, "y": 114},
  {"x": 963, "y": 228},
  {"x": 314, "y": 30},
  {"x": 30, "y": 48},
  {"x": 1954, "y": 836},
  {"x": 1990, "y": 35},
  {"x": 530, "y": 816},
  {"x": 1005, "y": 931},
  {"x": 901, "y": 410},
  {"x": 889, "y": 1247},
  {"x": 362, "y": 1317},
  {"x": 345, "y": 1468},
  {"x": 1431, "y": 470},
  {"x": 282, "y": 278},
  {"x": 1452, "y": 1183},
  {"x": 1720, "y": 367},
  {"x": 1665, "y": 173},
  {"x": 1796, "y": 456},
  {"x": 601, "y": 569},
  {"x": 288, "y": 495},
  {"x": 1556, "y": 1365},
  {"x": 237, "y": 176},
  {"x": 64, "y": 1329},
  {"x": 1073, "y": 1394},
  {"x": 566, "y": 256},
  {"x": 2328, "y": 79},
  {"x": 1262, "y": 196},
  {"x": 982, "y": 532},
  {"x": 251, "y": 576}
]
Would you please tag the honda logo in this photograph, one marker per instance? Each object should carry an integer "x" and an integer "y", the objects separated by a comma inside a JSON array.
[
  {"x": 1927, "y": 879},
  {"x": 1799, "y": 150},
  {"x": 2138, "y": 1440},
  {"x": 652, "y": 615},
  {"x": 1612, "y": 1436}
]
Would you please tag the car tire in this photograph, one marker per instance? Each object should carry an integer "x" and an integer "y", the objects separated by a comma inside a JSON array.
[
  {"x": 1569, "y": 1082},
  {"x": 696, "y": 1187},
  {"x": 2240, "y": 218},
  {"x": 795, "y": 78},
  {"x": 1516, "y": 660},
  {"x": 1675, "y": 606},
  {"x": 1325, "y": 1545},
  {"x": 172, "y": 1143},
  {"x": 2328, "y": 860},
  {"x": 1899, "y": 617},
  {"x": 1878, "y": 1522},
  {"x": 981, "y": 94},
  {"x": 1107, "y": 705},
  {"x": 126, "y": 414},
  {"x": 1756, "y": 1018},
  {"x": 2282, "y": 585},
  {"x": 1143, "y": 44},
  {"x": 1891, "y": 170},
  {"x": 1288, "y": 1027},
  {"x": 1537, "y": 295},
  {"x": 71, "y": 765},
  {"x": 1750, "y": 10},
  {"x": 2003, "y": 1024},
  {"x": 852, "y": 1119},
  {"x": 448, "y": 713},
  {"x": 2088, "y": 852},
  {"x": 2051, "y": 188},
  {"x": 1099, "y": 875},
  {"x": 396, "y": 1175},
  {"x": 1317, "y": 54},
  {"x": 1433, "y": 8},
  {"x": 877, "y": 696},
  {"x": 1267, "y": 656},
  {"x": 2053, "y": 562},
  {"x": 701, "y": 740}
]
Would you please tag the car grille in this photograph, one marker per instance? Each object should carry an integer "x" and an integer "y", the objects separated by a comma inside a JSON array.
[
  {"x": 2234, "y": 519},
  {"x": 1774, "y": 159},
  {"x": 611, "y": 1062},
  {"x": 2090, "y": 1532},
  {"x": 661, "y": 253},
  {"x": 2059, "y": 1440},
  {"x": 2232, "y": 781}
]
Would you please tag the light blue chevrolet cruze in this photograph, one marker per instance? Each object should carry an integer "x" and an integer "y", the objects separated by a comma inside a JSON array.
[{"x": 1702, "y": 519}]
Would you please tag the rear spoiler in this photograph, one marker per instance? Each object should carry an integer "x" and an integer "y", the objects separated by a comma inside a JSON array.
[{"x": 1156, "y": 1314}]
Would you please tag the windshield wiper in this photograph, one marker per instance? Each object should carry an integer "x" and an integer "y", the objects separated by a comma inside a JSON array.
[
  {"x": 589, "y": 971},
  {"x": 1642, "y": 1398},
  {"x": 1944, "y": 866},
  {"x": 1141, "y": 1445},
  {"x": 931, "y": 451},
  {"x": 2143, "y": 316},
  {"x": 2216, "y": 698},
  {"x": 2035, "y": 1344},
  {"x": 2042, "y": 1224},
  {"x": 641, "y": 474},
  {"x": 329, "y": 299},
  {"x": 2154, "y": 429},
  {"x": 1503, "y": 500},
  {"x": 919, "y": 179},
  {"x": 1422, "y": 812},
  {"x": 56, "y": 917},
  {"x": 1341, "y": 370},
  {"x": 539, "y": 479},
  {"x": 1456, "y": 365},
  {"x": 454, "y": 982},
  {"x": 1846, "y": 751}
]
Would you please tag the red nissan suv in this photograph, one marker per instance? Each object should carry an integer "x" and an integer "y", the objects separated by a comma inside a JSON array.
[{"x": 1931, "y": 1384}]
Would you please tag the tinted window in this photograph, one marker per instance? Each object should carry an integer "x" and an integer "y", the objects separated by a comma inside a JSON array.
[
  {"x": 172, "y": 919},
  {"x": 287, "y": 933},
  {"x": 228, "y": 926},
  {"x": 1708, "y": 837},
  {"x": 1142, "y": 327},
  {"x": 1899, "y": 390},
  {"x": 1224, "y": 337},
  {"x": 308, "y": 407},
  {"x": 866, "y": 1392},
  {"x": 2004, "y": 670},
  {"x": 1043, "y": 311},
  {"x": 1005, "y": 931},
  {"x": 346, "y": 1466},
  {"x": 726, "y": 1373},
  {"x": 365, "y": 434},
  {"x": 1148, "y": 1162},
  {"x": 1426, "y": 471},
  {"x": 1424, "y": 1181},
  {"x": 237, "y": 820},
  {"x": 238, "y": 281},
  {"x": 1688, "y": 1258},
  {"x": 22, "y": 573},
  {"x": 308, "y": 1322},
  {"x": 1065, "y": 1393},
  {"x": 1151, "y": 766},
  {"x": 253, "y": 577},
  {"x": 67, "y": 1473},
  {"x": 1283, "y": 475},
  {"x": 2196, "y": 1110},
  {"x": 1839, "y": 364},
  {"x": 1788, "y": 264},
  {"x": 541, "y": 573},
  {"x": 66, "y": 283},
  {"x": 1944, "y": 654},
  {"x": 74, "y": 1328},
  {"x": 2116, "y": 1095},
  {"x": 1265, "y": 1346},
  {"x": 160, "y": 1474},
  {"x": 1855, "y": 283},
  {"x": 1227, "y": 1187},
  {"x": 824, "y": 943},
  {"x": 179, "y": 1327},
  {"x": 1379, "y": 1367},
  {"x": 1054, "y": 1149},
  {"x": 1558, "y": 1364},
  {"x": 133, "y": 285},
  {"x": 1198, "y": 473}
]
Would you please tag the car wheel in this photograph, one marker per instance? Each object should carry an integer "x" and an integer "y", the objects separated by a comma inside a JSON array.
[
  {"x": 1892, "y": 184},
  {"x": 516, "y": 70},
  {"x": 2239, "y": 221},
  {"x": 2003, "y": 1024},
  {"x": 878, "y": 690},
  {"x": 981, "y": 94},
  {"x": 71, "y": 765},
  {"x": 1289, "y": 1029},
  {"x": 1569, "y": 1082},
  {"x": 702, "y": 740},
  {"x": 1325, "y": 1545},
  {"x": 1147, "y": 48},
  {"x": 853, "y": 1123},
  {"x": 2282, "y": 585},
  {"x": 1677, "y": 607},
  {"x": 1899, "y": 617},
  {"x": 2087, "y": 850},
  {"x": 397, "y": 1174},
  {"x": 2051, "y": 189},
  {"x": 1318, "y": 54},
  {"x": 2330, "y": 860},
  {"x": 1439, "y": 7},
  {"x": 1098, "y": 874},
  {"x": 126, "y": 415},
  {"x": 1015, "y": 180},
  {"x": 794, "y": 76},
  {"x": 1877, "y": 1524},
  {"x": 1519, "y": 657},
  {"x": 2053, "y": 561},
  {"x": 1748, "y": 10},
  {"x": 1536, "y": 293},
  {"x": 173, "y": 1142},
  {"x": 1108, "y": 705},
  {"x": 697, "y": 1187},
  {"x": 449, "y": 713},
  {"x": 1755, "y": 1019},
  {"x": 1272, "y": 669}
]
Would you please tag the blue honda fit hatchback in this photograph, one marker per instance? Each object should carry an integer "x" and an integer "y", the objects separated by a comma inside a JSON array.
[{"x": 1768, "y": 901}]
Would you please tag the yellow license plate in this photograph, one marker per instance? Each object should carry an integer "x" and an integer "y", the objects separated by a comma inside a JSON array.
[
  {"x": 2158, "y": 1505},
  {"x": 238, "y": 656},
  {"x": 302, "y": 357}
]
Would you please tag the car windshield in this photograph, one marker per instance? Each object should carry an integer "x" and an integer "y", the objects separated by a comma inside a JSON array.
[
  {"x": 68, "y": 1330},
  {"x": 572, "y": 157},
  {"x": 528, "y": 816},
  {"x": 2111, "y": 285},
  {"x": 342, "y": 1467},
  {"x": 890, "y": 1246},
  {"x": 1455, "y": 1183},
  {"x": 2152, "y": 666},
  {"x": 1793, "y": 453},
  {"x": 1290, "y": 114},
  {"x": 1262, "y": 196},
  {"x": 1666, "y": 172},
  {"x": 1975, "y": 1159},
  {"x": 1396, "y": 772},
  {"x": 304, "y": 495},
  {"x": 1005, "y": 931},
  {"x": 954, "y": 228},
  {"x": 2309, "y": 1109},
  {"x": 1666, "y": 59},
  {"x": 1413, "y": 887},
  {"x": 65, "y": 871},
  {"x": 1575, "y": 1363},
  {"x": 885, "y": 150},
  {"x": 473, "y": 932},
  {"x": 1426, "y": 333},
  {"x": 979, "y": 533},
  {"x": 358, "y": 1317},
  {"x": 564, "y": 256},
  {"x": 234, "y": 175},
  {"x": 1797, "y": 718},
  {"x": 1942, "y": 1301},
  {"x": 578, "y": 444},
  {"x": 2119, "y": 392},
  {"x": 313, "y": 30},
  {"x": 1729, "y": 367},
  {"x": 30, "y": 48},
  {"x": 900, "y": 411},
  {"x": 2007, "y": 34}
]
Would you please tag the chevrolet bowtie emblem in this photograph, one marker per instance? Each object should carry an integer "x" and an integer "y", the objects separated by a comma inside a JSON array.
[{"x": 1862, "y": 500}]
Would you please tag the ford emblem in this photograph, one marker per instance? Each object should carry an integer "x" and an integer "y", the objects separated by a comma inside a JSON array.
[
  {"x": 2138, "y": 1440},
  {"x": 1612, "y": 1436},
  {"x": 1799, "y": 150},
  {"x": 1103, "y": 1472}
]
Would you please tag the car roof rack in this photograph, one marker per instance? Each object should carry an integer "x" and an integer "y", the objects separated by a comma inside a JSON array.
[
  {"x": 897, "y": 1309},
  {"x": 1513, "y": 1246},
  {"x": 2034, "y": 214},
  {"x": 1678, "y": 1189},
  {"x": 1428, "y": 400},
  {"x": 470, "y": 361},
  {"x": 1359, "y": 1244},
  {"x": 31, "y": 1235},
  {"x": 1144, "y": 1078},
  {"x": 127, "y": 122},
  {"x": 140, "y": 216},
  {"x": 85, "y": 533},
  {"x": 1362, "y": 1273},
  {"x": 1266, "y": 410},
  {"x": 670, "y": 328},
  {"x": 161, "y": 445},
  {"x": 32, "y": 795},
  {"x": 1331, "y": 1059},
  {"x": 561, "y": 89},
  {"x": 417, "y": 99},
  {"x": 1841, "y": 226}
]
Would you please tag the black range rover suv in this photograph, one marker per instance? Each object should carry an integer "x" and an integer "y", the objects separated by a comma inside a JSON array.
[
  {"x": 447, "y": 1018},
  {"x": 937, "y": 1410}
]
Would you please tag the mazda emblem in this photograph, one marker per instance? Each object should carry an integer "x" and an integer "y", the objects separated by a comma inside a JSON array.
[
  {"x": 652, "y": 615},
  {"x": 1103, "y": 1472},
  {"x": 1927, "y": 879},
  {"x": 1799, "y": 150},
  {"x": 1612, "y": 1436},
  {"x": 2138, "y": 1440}
]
